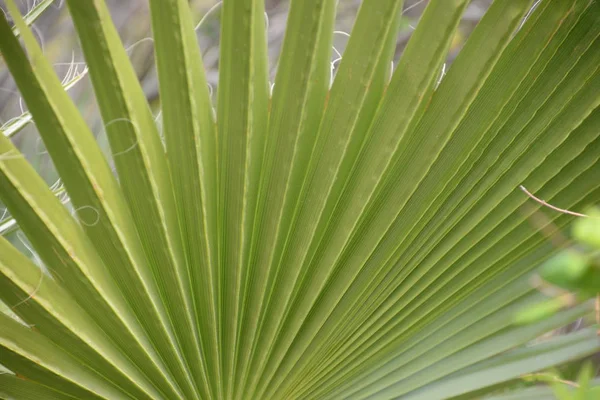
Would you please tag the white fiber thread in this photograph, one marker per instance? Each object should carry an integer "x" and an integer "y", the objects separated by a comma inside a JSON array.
[
  {"x": 76, "y": 215},
  {"x": 210, "y": 11},
  {"x": 128, "y": 121}
]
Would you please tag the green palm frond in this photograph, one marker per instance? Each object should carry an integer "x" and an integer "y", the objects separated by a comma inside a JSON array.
[
  {"x": 36, "y": 10},
  {"x": 364, "y": 237}
]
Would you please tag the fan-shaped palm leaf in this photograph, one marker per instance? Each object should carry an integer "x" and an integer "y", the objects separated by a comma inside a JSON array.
[{"x": 364, "y": 238}]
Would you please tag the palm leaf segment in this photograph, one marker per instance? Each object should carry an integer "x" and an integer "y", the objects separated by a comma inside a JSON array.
[{"x": 354, "y": 239}]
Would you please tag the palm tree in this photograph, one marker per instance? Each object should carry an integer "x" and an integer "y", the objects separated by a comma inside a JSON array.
[{"x": 361, "y": 238}]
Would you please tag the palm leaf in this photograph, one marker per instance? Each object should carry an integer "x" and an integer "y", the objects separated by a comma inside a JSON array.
[
  {"x": 34, "y": 13},
  {"x": 357, "y": 238}
]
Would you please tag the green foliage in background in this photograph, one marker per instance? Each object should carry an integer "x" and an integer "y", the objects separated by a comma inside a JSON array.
[
  {"x": 556, "y": 387},
  {"x": 578, "y": 269},
  {"x": 573, "y": 273},
  {"x": 364, "y": 237},
  {"x": 583, "y": 389}
]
